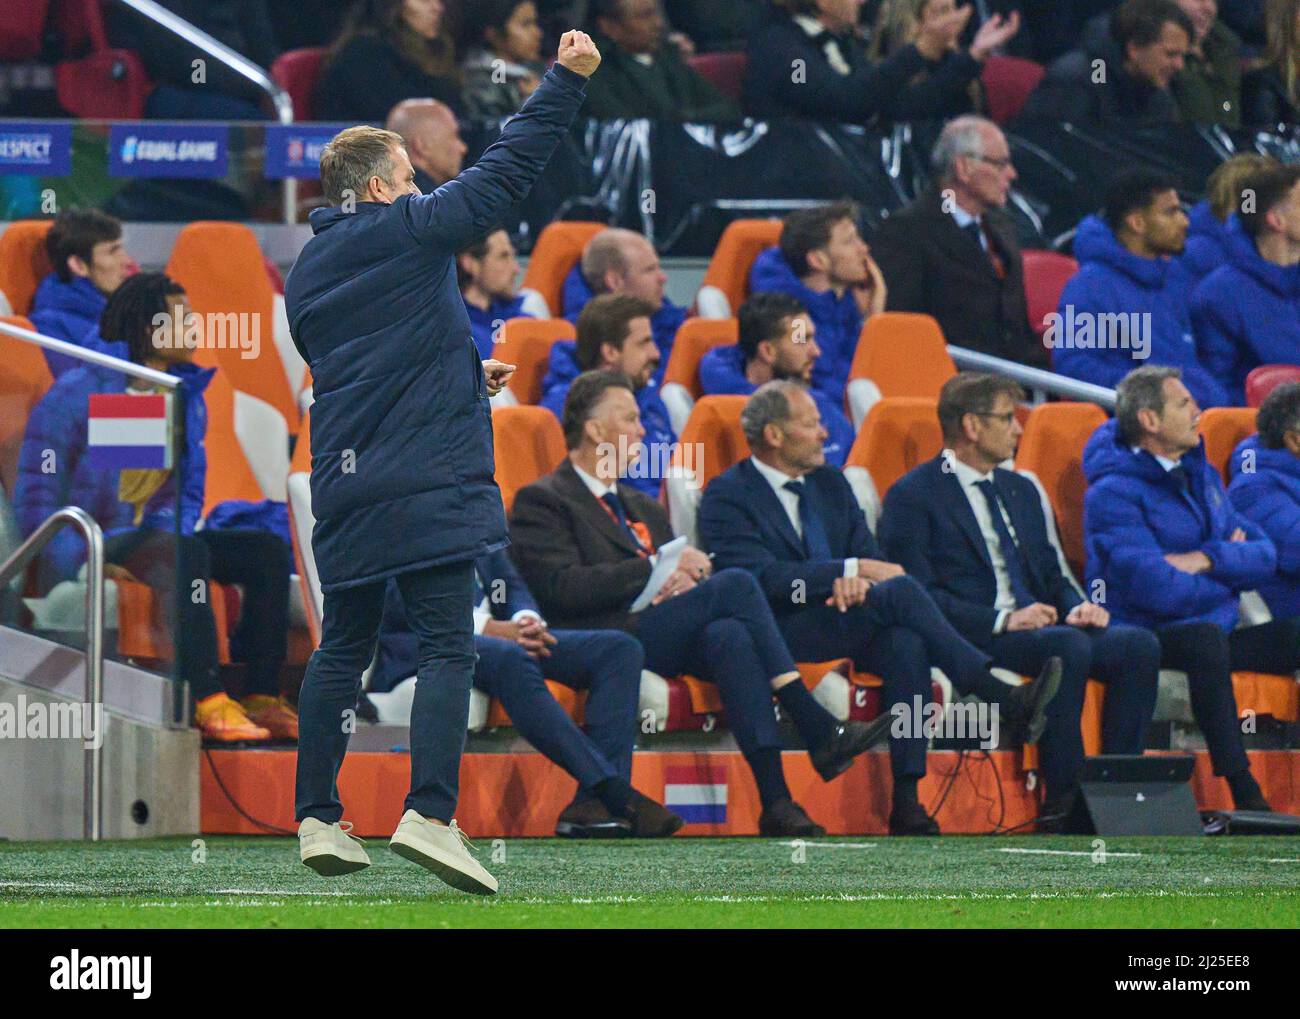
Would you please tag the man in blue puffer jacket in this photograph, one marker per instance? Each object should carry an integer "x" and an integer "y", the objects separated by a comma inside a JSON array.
[
  {"x": 778, "y": 340},
  {"x": 1247, "y": 312},
  {"x": 1128, "y": 303},
  {"x": 402, "y": 468},
  {"x": 90, "y": 262},
  {"x": 1265, "y": 489},
  {"x": 487, "y": 272},
  {"x": 1166, "y": 550},
  {"x": 1207, "y": 229}
]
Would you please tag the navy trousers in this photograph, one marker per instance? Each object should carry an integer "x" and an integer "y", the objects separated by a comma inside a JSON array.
[
  {"x": 605, "y": 663},
  {"x": 439, "y": 608}
]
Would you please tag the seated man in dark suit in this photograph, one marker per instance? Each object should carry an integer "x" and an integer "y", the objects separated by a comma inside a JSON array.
[
  {"x": 587, "y": 545},
  {"x": 976, "y": 536},
  {"x": 517, "y": 652},
  {"x": 793, "y": 522}
]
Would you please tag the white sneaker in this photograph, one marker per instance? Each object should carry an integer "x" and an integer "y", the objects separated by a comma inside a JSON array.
[
  {"x": 443, "y": 850},
  {"x": 329, "y": 849}
]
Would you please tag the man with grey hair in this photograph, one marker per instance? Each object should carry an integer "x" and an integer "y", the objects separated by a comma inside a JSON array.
[
  {"x": 793, "y": 522},
  {"x": 401, "y": 434},
  {"x": 953, "y": 252},
  {"x": 432, "y": 138},
  {"x": 1167, "y": 550}
]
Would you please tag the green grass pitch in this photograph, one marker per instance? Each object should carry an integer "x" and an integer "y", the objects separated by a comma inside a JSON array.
[{"x": 856, "y": 882}]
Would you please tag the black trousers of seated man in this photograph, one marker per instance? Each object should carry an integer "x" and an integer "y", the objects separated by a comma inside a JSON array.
[{"x": 1209, "y": 655}]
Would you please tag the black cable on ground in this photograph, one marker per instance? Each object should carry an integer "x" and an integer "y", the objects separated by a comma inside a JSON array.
[{"x": 273, "y": 829}]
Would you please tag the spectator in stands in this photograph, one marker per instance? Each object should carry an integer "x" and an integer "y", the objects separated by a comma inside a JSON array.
[
  {"x": 1265, "y": 489},
  {"x": 1247, "y": 312},
  {"x": 586, "y": 546},
  {"x": 487, "y": 272},
  {"x": 793, "y": 522},
  {"x": 389, "y": 50},
  {"x": 189, "y": 83},
  {"x": 137, "y": 509},
  {"x": 1123, "y": 79},
  {"x": 824, "y": 264},
  {"x": 503, "y": 63},
  {"x": 644, "y": 73},
  {"x": 432, "y": 138},
  {"x": 1247, "y": 18},
  {"x": 517, "y": 653},
  {"x": 1174, "y": 555},
  {"x": 953, "y": 253},
  {"x": 90, "y": 262},
  {"x": 1271, "y": 90},
  {"x": 1208, "y": 89},
  {"x": 714, "y": 26},
  {"x": 778, "y": 340},
  {"x": 1207, "y": 229},
  {"x": 974, "y": 534},
  {"x": 1130, "y": 299},
  {"x": 614, "y": 335}
]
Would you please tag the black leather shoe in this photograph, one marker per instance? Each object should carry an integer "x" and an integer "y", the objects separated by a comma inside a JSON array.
[
  {"x": 588, "y": 819},
  {"x": 651, "y": 820},
  {"x": 834, "y": 757},
  {"x": 912, "y": 820},
  {"x": 787, "y": 818},
  {"x": 1028, "y": 704}
]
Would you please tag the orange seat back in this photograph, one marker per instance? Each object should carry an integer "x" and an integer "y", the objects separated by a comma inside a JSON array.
[
  {"x": 527, "y": 443},
  {"x": 1223, "y": 428},
  {"x": 1046, "y": 273},
  {"x": 898, "y": 433},
  {"x": 740, "y": 244},
  {"x": 1052, "y": 447},
  {"x": 23, "y": 262},
  {"x": 526, "y": 343},
  {"x": 229, "y": 474},
  {"x": 715, "y": 425},
  {"x": 558, "y": 249},
  {"x": 301, "y": 459},
  {"x": 904, "y": 354},
  {"x": 695, "y": 338},
  {"x": 24, "y": 379},
  {"x": 221, "y": 268}
]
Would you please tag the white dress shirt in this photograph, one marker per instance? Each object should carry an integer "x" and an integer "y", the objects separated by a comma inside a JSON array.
[
  {"x": 969, "y": 477},
  {"x": 790, "y": 503},
  {"x": 600, "y": 489},
  {"x": 965, "y": 219}
]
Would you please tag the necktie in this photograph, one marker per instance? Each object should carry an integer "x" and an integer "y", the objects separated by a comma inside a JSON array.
[
  {"x": 1179, "y": 473},
  {"x": 982, "y": 237},
  {"x": 615, "y": 505},
  {"x": 1010, "y": 551},
  {"x": 815, "y": 542}
]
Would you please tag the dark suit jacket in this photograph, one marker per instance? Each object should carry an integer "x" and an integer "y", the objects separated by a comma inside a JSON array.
[
  {"x": 742, "y": 522},
  {"x": 928, "y": 526},
  {"x": 934, "y": 267},
  {"x": 583, "y": 569}
]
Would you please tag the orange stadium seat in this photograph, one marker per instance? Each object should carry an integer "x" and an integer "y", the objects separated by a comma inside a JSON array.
[
  {"x": 24, "y": 380},
  {"x": 899, "y": 354},
  {"x": 695, "y": 338},
  {"x": 23, "y": 262},
  {"x": 724, "y": 71},
  {"x": 710, "y": 443},
  {"x": 1052, "y": 448},
  {"x": 1223, "y": 428},
  {"x": 527, "y": 443},
  {"x": 726, "y": 282},
  {"x": 1266, "y": 378},
  {"x": 297, "y": 71},
  {"x": 899, "y": 432},
  {"x": 231, "y": 472},
  {"x": 1046, "y": 273},
  {"x": 1008, "y": 83},
  {"x": 526, "y": 343},
  {"x": 558, "y": 249}
]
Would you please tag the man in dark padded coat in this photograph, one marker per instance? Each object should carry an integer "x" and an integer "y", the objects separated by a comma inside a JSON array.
[{"x": 402, "y": 468}]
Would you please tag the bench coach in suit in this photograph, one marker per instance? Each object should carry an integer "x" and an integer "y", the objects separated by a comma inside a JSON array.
[
  {"x": 793, "y": 522},
  {"x": 976, "y": 536},
  {"x": 586, "y": 545}
]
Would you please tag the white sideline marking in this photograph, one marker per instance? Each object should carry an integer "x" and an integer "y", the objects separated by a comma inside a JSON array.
[
  {"x": 64, "y": 885},
  {"x": 809, "y": 844},
  {"x": 1065, "y": 852},
  {"x": 1282, "y": 859}
]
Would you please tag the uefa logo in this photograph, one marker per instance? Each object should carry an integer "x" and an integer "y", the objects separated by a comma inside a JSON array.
[{"x": 128, "y": 149}]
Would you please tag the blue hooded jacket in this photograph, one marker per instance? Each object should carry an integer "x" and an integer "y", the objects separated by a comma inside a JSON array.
[
  {"x": 401, "y": 430},
  {"x": 1111, "y": 280},
  {"x": 659, "y": 434},
  {"x": 483, "y": 324},
  {"x": 722, "y": 371},
  {"x": 1246, "y": 313},
  {"x": 1268, "y": 493},
  {"x": 57, "y": 433},
  {"x": 70, "y": 311},
  {"x": 838, "y": 320},
  {"x": 1135, "y": 513},
  {"x": 1207, "y": 243},
  {"x": 664, "y": 323}
]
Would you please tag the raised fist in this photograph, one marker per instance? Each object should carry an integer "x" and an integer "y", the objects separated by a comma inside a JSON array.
[{"x": 578, "y": 53}]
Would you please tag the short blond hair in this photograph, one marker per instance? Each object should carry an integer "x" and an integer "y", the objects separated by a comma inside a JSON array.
[{"x": 352, "y": 157}]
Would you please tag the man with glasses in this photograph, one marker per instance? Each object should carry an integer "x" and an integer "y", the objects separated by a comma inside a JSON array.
[
  {"x": 953, "y": 254},
  {"x": 975, "y": 535}
]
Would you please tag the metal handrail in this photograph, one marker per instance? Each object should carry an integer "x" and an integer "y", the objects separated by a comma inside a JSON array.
[
  {"x": 238, "y": 63},
  {"x": 138, "y": 371},
  {"x": 1033, "y": 378},
  {"x": 75, "y": 516}
]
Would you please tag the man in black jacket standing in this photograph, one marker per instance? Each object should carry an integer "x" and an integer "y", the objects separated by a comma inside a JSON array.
[{"x": 402, "y": 466}]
